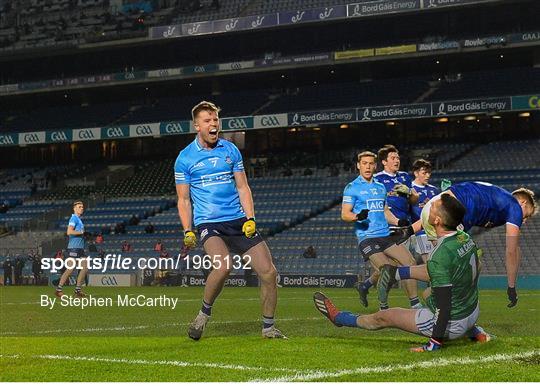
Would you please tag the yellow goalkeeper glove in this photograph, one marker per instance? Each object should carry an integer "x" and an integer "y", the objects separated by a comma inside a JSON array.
[
  {"x": 190, "y": 239},
  {"x": 402, "y": 190},
  {"x": 249, "y": 227}
]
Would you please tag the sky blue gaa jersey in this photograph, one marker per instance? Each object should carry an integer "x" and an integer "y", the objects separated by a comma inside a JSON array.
[
  {"x": 425, "y": 193},
  {"x": 364, "y": 195},
  {"x": 398, "y": 205},
  {"x": 76, "y": 242},
  {"x": 209, "y": 174},
  {"x": 487, "y": 205}
]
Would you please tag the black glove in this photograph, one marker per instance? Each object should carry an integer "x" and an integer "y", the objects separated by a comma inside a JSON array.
[
  {"x": 362, "y": 215},
  {"x": 403, "y": 223},
  {"x": 402, "y": 234},
  {"x": 512, "y": 296}
]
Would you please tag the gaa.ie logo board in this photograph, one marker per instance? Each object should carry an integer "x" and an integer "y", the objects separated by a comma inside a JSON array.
[
  {"x": 8, "y": 139},
  {"x": 115, "y": 132},
  {"x": 31, "y": 138},
  {"x": 59, "y": 136}
]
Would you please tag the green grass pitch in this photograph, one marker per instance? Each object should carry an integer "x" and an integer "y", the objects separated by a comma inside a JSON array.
[{"x": 151, "y": 344}]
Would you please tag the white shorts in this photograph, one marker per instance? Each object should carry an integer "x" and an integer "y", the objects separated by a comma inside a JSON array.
[
  {"x": 423, "y": 245},
  {"x": 425, "y": 321}
]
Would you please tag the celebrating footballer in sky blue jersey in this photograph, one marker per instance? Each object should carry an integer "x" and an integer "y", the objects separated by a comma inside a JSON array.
[
  {"x": 489, "y": 206},
  {"x": 209, "y": 173},
  {"x": 364, "y": 203},
  {"x": 75, "y": 250},
  {"x": 422, "y": 173}
]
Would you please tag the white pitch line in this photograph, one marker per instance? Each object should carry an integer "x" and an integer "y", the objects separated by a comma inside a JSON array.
[
  {"x": 172, "y": 363},
  {"x": 127, "y": 328},
  {"x": 306, "y": 375}
]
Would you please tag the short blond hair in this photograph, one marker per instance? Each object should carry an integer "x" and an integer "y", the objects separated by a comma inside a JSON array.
[
  {"x": 204, "y": 106},
  {"x": 366, "y": 154}
]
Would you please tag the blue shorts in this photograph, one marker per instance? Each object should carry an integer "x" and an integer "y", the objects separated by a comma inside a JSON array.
[
  {"x": 231, "y": 233},
  {"x": 75, "y": 253}
]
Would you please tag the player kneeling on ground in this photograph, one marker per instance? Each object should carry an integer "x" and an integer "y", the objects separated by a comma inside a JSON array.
[{"x": 453, "y": 272}]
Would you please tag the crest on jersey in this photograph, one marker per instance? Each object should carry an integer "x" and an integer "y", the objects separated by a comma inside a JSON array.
[{"x": 228, "y": 160}]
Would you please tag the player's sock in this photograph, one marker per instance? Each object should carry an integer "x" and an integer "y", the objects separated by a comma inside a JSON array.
[
  {"x": 383, "y": 306},
  {"x": 403, "y": 273},
  {"x": 78, "y": 288},
  {"x": 59, "y": 287},
  {"x": 206, "y": 308},
  {"x": 268, "y": 321},
  {"x": 346, "y": 318},
  {"x": 414, "y": 301},
  {"x": 367, "y": 284}
]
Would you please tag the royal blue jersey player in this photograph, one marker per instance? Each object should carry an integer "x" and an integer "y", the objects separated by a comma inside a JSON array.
[
  {"x": 422, "y": 173},
  {"x": 489, "y": 206},
  {"x": 364, "y": 203},
  {"x": 398, "y": 184},
  {"x": 209, "y": 174}
]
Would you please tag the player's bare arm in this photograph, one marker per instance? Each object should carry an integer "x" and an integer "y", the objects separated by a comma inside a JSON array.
[
  {"x": 347, "y": 213},
  {"x": 512, "y": 253},
  {"x": 244, "y": 191},
  {"x": 392, "y": 220},
  {"x": 184, "y": 205},
  {"x": 72, "y": 232},
  {"x": 413, "y": 197}
]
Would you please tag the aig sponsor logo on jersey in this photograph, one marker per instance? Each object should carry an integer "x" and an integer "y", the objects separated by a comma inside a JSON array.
[
  {"x": 7, "y": 140},
  {"x": 376, "y": 204}
]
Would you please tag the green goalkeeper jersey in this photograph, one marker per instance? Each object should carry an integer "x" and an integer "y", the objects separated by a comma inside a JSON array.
[{"x": 454, "y": 262}]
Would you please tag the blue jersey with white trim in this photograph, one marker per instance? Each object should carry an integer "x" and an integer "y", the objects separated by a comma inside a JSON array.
[
  {"x": 76, "y": 242},
  {"x": 487, "y": 205},
  {"x": 367, "y": 195},
  {"x": 210, "y": 176},
  {"x": 425, "y": 193},
  {"x": 398, "y": 205}
]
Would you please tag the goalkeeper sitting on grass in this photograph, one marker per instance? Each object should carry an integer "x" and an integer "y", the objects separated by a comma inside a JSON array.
[{"x": 453, "y": 305}]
